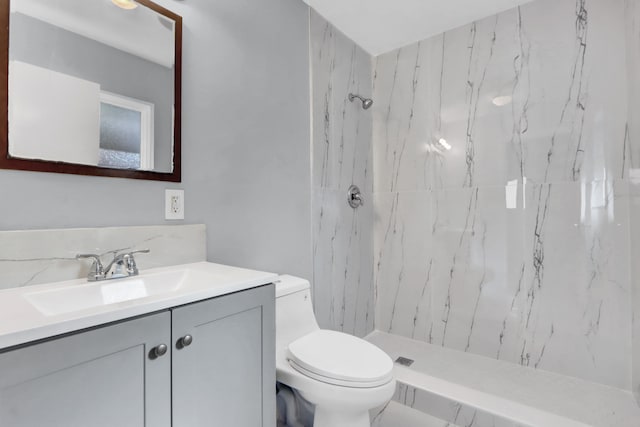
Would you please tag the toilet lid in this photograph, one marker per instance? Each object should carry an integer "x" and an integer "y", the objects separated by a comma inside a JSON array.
[{"x": 341, "y": 359}]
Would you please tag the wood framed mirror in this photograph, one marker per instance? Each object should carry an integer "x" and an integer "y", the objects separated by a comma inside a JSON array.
[{"x": 91, "y": 87}]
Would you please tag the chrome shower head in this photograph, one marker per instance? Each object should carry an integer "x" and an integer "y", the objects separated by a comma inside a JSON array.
[{"x": 366, "y": 102}]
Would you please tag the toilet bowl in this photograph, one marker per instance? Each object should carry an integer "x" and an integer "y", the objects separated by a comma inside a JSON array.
[{"x": 342, "y": 375}]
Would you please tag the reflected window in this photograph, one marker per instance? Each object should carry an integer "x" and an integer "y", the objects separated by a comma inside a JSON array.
[{"x": 126, "y": 132}]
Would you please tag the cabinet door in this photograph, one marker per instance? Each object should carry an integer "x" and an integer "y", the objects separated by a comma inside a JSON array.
[
  {"x": 226, "y": 376},
  {"x": 98, "y": 378}
]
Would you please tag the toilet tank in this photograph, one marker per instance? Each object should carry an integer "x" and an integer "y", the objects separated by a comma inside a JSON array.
[{"x": 294, "y": 310}]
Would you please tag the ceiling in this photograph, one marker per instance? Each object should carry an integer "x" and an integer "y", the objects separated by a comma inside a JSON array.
[
  {"x": 380, "y": 26},
  {"x": 141, "y": 32}
]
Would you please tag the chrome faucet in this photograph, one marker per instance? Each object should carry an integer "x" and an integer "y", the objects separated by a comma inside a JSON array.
[{"x": 122, "y": 265}]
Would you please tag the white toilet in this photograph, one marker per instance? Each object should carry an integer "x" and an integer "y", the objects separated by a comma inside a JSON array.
[{"x": 342, "y": 375}]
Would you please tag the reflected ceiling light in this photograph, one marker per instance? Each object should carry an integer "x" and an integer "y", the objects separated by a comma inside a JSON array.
[
  {"x": 125, "y": 4},
  {"x": 443, "y": 142},
  {"x": 501, "y": 101}
]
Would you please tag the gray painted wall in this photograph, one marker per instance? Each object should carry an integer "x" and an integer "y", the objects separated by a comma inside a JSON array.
[
  {"x": 39, "y": 43},
  {"x": 246, "y": 144}
]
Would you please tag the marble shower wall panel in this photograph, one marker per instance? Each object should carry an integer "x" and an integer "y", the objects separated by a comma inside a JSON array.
[
  {"x": 478, "y": 271},
  {"x": 541, "y": 281},
  {"x": 635, "y": 288},
  {"x": 576, "y": 301},
  {"x": 404, "y": 117},
  {"x": 343, "y": 275},
  {"x": 577, "y": 110},
  {"x": 32, "y": 257},
  {"x": 632, "y": 161},
  {"x": 511, "y": 236},
  {"x": 342, "y": 246},
  {"x": 341, "y": 129},
  {"x": 402, "y": 263},
  {"x": 322, "y": 53},
  {"x": 632, "y": 151},
  {"x": 534, "y": 92},
  {"x": 477, "y": 67}
]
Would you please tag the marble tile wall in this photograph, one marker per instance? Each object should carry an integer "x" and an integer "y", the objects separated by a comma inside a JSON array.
[
  {"x": 502, "y": 155},
  {"x": 31, "y": 257},
  {"x": 633, "y": 134},
  {"x": 635, "y": 283},
  {"x": 342, "y": 237}
]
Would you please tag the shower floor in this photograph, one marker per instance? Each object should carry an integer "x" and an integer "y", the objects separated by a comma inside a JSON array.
[{"x": 466, "y": 389}]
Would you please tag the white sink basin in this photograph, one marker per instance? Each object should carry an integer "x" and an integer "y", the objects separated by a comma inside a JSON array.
[
  {"x": 36, "y": 312},
  {"x": 91, "y": 295}
]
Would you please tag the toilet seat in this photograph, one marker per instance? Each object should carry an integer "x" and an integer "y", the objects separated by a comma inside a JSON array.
[{"x": 340, "y": 359}]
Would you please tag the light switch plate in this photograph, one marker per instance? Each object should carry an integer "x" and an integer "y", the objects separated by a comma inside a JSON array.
[{"x": 174, "y": 204}]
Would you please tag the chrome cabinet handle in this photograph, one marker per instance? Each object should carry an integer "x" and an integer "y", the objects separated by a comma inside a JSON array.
[
  {"x": 158, "y": 351},
  {"x": 185, "y": 341}
]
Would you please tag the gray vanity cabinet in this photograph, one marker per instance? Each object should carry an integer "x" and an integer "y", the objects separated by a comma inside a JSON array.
[
  {"x": 99, "y": 378},
  {"x": 224, "y": 361},
  {"x": 111, "y": 376}
]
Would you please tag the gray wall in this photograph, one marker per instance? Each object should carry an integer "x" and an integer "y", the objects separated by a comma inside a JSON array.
[
  {"x": 246, "y": 169},
  {"x": 39, "y": 43}
]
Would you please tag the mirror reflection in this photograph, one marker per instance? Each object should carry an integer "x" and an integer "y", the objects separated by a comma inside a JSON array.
[{"x": 91, "y": 82}]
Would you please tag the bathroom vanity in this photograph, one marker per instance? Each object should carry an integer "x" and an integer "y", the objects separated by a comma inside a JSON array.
[{"x": 190, "y": 346}]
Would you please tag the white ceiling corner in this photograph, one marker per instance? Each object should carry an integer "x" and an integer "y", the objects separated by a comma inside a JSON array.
[{"x": 380, "y": 26}]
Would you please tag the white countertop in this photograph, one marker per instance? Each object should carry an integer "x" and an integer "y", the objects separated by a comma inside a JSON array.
[{"x": 22, "y": 321}]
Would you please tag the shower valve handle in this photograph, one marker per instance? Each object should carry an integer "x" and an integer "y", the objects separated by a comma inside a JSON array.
[{"x": 354, "y": 197}]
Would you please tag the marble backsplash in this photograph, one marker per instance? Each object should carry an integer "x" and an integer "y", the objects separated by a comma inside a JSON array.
[
  {"x": 503, "y": 154},
  {"x": 31, "y": 257}
]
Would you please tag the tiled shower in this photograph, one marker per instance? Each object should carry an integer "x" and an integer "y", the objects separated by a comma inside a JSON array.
[{"x": 500, "y": 170}]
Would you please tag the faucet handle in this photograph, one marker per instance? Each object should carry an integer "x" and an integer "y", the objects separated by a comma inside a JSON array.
[
  {"x": 97, "y": 269},
  {"x": 130, "y": 261},
  {"x": 141, "y": 251}
]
